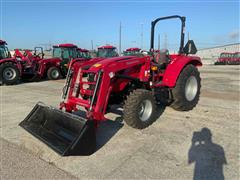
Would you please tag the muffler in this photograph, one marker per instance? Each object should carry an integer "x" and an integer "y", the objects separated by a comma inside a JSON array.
[{"x": 65, "y": 133}]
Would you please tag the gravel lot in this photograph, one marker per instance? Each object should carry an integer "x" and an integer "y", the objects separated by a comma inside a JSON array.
[
  {"x": 19, "y": 163},
  {"x": 162, "y": 151}
]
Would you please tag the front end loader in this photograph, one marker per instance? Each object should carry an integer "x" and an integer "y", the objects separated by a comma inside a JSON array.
[{"x": 138, "y": 84}]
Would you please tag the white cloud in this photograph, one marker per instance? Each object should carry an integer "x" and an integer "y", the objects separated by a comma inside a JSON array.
[{"x": 234, "y": 35}]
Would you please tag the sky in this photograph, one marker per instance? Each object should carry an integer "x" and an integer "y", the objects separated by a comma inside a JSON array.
[{"x": 29, "y": 23}]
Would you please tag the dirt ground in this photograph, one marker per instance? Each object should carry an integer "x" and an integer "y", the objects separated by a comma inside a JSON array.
[{"x": 165, "y": 150}]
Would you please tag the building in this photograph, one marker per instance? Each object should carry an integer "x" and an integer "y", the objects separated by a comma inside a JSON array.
[{"x": 210, "y": 55}]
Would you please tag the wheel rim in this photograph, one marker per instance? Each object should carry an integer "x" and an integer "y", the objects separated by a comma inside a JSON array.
[
  {"x": 145, "y": 110},
  {"x": 9, "y": 73},
  {"x": 191, "y": 88},
  {"x": 55, "y": 74}
]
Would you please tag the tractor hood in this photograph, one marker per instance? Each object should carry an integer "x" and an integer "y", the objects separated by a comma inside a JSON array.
[{"x": 112, "y": 62}]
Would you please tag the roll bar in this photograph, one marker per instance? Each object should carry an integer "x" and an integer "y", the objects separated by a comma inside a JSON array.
[
  {"x": 38, "y": 47},
  {"x": 182, "y": 18}
]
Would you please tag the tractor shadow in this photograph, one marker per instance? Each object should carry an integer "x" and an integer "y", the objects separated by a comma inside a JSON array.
[
  {"x": 109, "y": 128},
  {"x": 106, "y": 130},
  {"x": 208, "y": 156},
  {"x": 32, "y": 79}
]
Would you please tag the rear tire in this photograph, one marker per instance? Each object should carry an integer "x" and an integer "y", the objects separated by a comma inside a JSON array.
[
  {"x": 139, "y": 110},
  {"x": 9, "y": 73},
  {"x": 187, "y": 90},
  {"x": 54, "y": 73}
]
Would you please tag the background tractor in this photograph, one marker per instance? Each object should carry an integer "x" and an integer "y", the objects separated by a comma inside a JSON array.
[
  {"x": 107, "y": 51},
  {"x": 132, "y": 52},
  {"x": 83, "y": 53},
  {"x": 11, "y": 68},
  {"x": 228, "y": 58},
  {"x": 31, "y": 66},
  {"x": 140, "y": 85},
  {"x": 56, "y": 67},
  {"x": 20, "y": 65}
]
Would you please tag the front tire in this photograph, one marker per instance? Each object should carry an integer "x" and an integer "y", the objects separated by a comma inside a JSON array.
[
  {"x": 9, "y": 73},
  {"x": 140, "y": 109},
  {"x": 54, "y": 73},
  {"x": 187, "y": 90}
]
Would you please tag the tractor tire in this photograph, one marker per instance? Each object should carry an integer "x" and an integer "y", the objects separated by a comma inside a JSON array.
[
  {"x": 139, "y": 110},
  {"x": 54, "y": 73},
  {"x": 9, "y": 73},
  {"x": 187, "y": 90}
]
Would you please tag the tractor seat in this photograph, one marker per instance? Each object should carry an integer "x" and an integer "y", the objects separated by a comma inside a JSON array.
[{"x": 162, "y": 58}]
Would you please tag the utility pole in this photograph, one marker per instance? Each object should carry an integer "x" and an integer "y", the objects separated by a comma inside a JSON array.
[
  {"x": 141, "y": 35},
  {"x": 92, "y": 44},
  {"x": 165, "y": 41},
  {"x": 158, "y": 41},
  {"x": 188, "y": 36},
  {"x": 120, "y": 38}
]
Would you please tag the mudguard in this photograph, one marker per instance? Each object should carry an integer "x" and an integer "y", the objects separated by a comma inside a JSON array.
[
  {"x": 14, "y": 61},
  {"x": 175, "y": 67}
]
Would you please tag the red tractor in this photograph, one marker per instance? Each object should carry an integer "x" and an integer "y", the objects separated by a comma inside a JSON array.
[
  {"x": 56, "y": 67},
  {"x": 236, "y": 58},
  {"x": 84, "y": 53},
  {"x": 103, "y": 52},
  {"x": 34, "y": 65},
  {"x": 12, "y": 68},
  {"x": 132, "y": 52},
  {"x": 107, "y": 51},
  {"x": 141, "y": 85},
  {"x": 228, "y": 58}
]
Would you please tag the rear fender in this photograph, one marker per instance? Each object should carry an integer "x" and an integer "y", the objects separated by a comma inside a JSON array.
[
  {"x": 12, "y": 60},
  {"x": 176, "y": 66}
]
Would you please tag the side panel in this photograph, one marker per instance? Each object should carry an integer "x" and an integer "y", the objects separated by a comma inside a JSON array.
[
  {"x": 45, "y": 64},
  {"x": 175, "y": 67}
]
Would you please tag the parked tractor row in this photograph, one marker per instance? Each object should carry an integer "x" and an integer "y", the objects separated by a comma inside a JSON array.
[
  {"x": 141, "y": 85},
  {"x": 34, "y": 66},
  {"x": 227, "y": 58}
]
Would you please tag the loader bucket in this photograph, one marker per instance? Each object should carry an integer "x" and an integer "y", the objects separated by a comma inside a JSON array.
[{"x": 65, "y": 133}]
